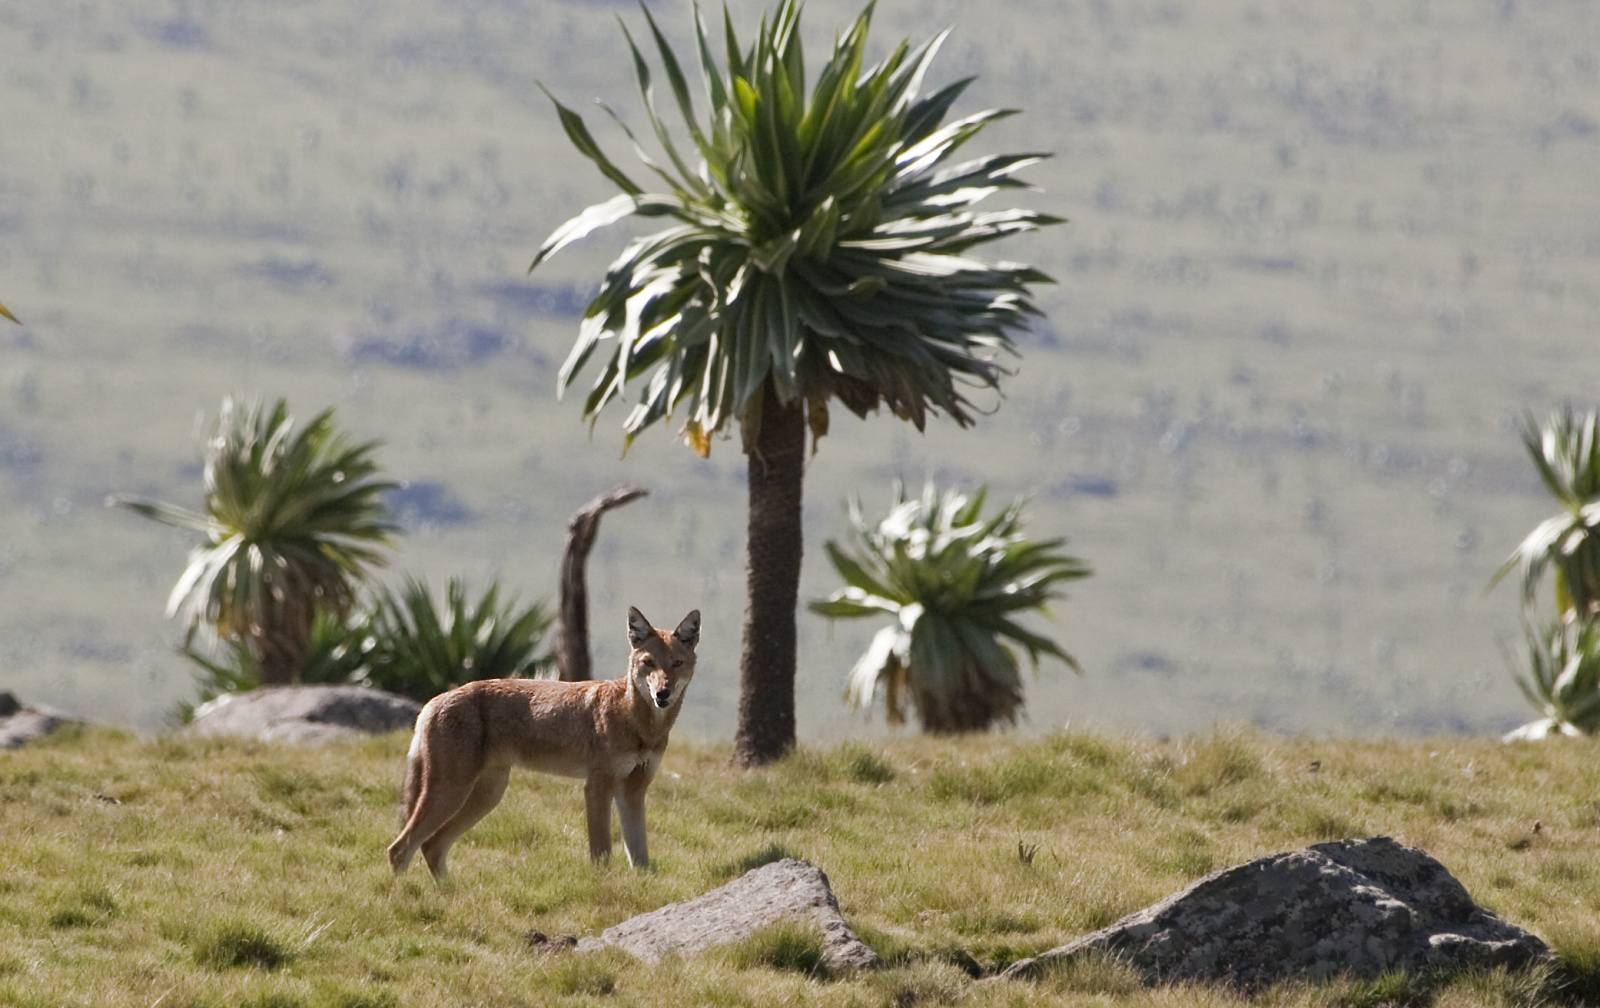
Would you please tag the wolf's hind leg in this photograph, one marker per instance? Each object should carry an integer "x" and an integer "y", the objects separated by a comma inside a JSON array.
[
  {"x": 484, "y": 796},
  {"x": 440, "y": 793}
]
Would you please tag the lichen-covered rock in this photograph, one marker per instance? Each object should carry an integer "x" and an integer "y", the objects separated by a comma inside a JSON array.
[
  {"x": 22, "y": 723},
  {"x": 781, "y": 890},
  {"x": 304, "y": 715},
  {"x": 1351, "y": 907}
]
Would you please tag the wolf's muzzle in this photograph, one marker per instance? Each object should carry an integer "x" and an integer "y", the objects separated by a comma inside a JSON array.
[{"x": 663, "y": 697}]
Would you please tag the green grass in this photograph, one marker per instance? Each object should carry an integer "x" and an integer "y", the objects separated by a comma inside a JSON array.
[{"x": 203, "y": 873}]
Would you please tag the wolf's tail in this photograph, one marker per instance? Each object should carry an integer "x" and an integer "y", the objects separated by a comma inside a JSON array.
[{"x": 411, "y": 784}]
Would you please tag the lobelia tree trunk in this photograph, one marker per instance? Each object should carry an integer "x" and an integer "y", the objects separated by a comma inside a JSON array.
[
  {"x": 281, "y": 647},
  {"x": 276, "y": 664},
  {"x": 767, "y": 663},
  {"x": 572, "y": 639}
]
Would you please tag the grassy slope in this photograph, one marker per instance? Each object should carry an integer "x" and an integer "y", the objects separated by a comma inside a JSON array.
[
  {"x": 1320, "y": 257},
  {"x": 214, "y": 873}
]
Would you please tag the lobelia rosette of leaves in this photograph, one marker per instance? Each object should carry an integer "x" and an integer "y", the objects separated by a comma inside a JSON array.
[
  {"x": 818, "y": 248},
  {"x": 953, "y": 583}
]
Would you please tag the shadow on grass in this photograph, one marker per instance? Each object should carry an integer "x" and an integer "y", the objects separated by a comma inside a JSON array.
[{"x": 738, "y": 866}]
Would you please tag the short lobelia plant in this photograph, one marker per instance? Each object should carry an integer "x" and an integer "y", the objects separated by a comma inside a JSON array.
[
  {"x": 293, "y": 519},
  {"x": 417, "y": 649},
  {"x": 1563, "y": 678},
  {"x": 954, "y": 583}
]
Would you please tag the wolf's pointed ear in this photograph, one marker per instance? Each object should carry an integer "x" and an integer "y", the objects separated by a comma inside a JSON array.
[
  {"x": 688, "y": 631},
  {"x": 639, "y": 628}
]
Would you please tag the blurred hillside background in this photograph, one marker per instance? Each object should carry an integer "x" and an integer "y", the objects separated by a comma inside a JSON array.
[{"x": 1321, "y": 260}]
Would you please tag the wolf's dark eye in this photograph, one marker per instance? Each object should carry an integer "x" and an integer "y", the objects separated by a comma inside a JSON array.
[
  {"x": 677, "y": 663},
  {"x": 647, "y": 662}
]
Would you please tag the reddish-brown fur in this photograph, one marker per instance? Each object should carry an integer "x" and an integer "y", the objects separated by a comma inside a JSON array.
[{"x": 611, "y": 733}]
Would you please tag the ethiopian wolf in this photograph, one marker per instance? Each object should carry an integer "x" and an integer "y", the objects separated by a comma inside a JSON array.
[{"x": 610, "y": 733}]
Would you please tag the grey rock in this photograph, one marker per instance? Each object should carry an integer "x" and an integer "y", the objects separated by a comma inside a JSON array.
[
  {"x": 304, "y": 715},
  {"x": 22, "y": 723},
  {"x": 1352, "y": 907},
  {"x": 781, "y": 890}
]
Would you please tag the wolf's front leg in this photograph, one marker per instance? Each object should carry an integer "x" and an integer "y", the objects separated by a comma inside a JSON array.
[
  {"x": 630, "y": 809},
  {"x": 597, "y": 792}
]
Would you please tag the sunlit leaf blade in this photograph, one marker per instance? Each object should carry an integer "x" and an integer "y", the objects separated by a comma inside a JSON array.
[
  {"x": 598, "y": 216},
  {"x": 166, "y": 514},
  {"x": 6, "y": 312}
]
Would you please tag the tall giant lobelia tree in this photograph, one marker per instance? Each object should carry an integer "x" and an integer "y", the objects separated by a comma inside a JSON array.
[{"x": 816, "y": 248}]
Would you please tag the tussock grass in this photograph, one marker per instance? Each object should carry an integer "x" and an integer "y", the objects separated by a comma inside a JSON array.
[
  {"x": 782, "y": 946},
  {"x": 213, "y": 873}
]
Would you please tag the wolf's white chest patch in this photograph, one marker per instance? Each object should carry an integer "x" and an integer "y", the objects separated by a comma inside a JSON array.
[{"x": 624, "y": 764}]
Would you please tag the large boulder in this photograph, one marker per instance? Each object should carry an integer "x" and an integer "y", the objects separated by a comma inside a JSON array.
[
  {"x": 22, "y": 723},
  {"x": 1352, "y": 907},
  {"x": 777, "y": 891},
  {"x": 304, "y": 715}
]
